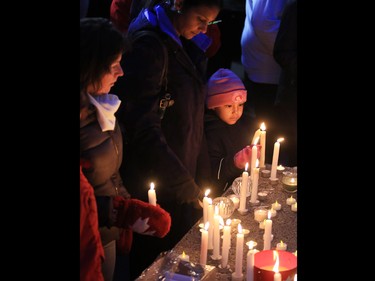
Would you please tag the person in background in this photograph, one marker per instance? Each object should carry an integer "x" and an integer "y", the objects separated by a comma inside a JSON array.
[
  {"x": 163, "y": 115},
  {"x": 285, "y": 54},
  {"x": 262, "y": 72},
  {"x": 227, "y": 130},
  {"x": 101, "y": 48}
]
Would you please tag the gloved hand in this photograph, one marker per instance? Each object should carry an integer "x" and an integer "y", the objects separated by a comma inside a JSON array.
[
  {"x": 244, "y": 156},
  {"x": 141, "y": 217}
]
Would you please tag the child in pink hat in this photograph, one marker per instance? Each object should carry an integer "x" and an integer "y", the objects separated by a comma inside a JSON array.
[{"x": 227, "y": 130}]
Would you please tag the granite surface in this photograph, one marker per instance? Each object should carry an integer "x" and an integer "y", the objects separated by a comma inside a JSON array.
[{"x": 284, "y": 227}]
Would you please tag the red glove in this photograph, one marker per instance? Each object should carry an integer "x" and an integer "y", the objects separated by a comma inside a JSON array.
[
  {"x": 141, "y": 217},
  {"x": 244, "y": 156}
]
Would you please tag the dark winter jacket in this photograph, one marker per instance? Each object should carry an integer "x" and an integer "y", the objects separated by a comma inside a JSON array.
[
  {"x": 224, "y": 141},
  {"x": 102, "y": 155},
  {"x": 166, "y": 151}
]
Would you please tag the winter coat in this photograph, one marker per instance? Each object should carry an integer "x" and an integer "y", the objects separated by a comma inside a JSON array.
[{"x": 102, "y": 153}]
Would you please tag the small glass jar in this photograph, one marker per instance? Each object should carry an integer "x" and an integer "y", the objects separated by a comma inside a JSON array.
[{"x": 289, "y": 181}]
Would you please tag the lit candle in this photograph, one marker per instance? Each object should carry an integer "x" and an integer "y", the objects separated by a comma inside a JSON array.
[
  {"x": 216, "y": 251},
  {"x": 254, "y": 157},
  {"x": 245, "y": 177},
  {"x": 236, "y": 201},
  {"x": 275, "y": 158},
  {"x": 226, "y": 244},
  {"x": 276, "y": 206},
  {"x": 250, "y": 261},
  {"x": 291, "y": 200},
  {"x": 281, "y": 246},
  {"x": 260, "y": 214},
  {"x": 277, "y": 275},
  {"x": 256, "y": 135},
  {"x": 205, "y": 206},
  {"x": 263, "y": 145},
  {"x": 255, "y": 178},
  {"x": 280, "y": 168},
  {"x": 211, "y": 220},
  {"x": 294, "y": 207},
  {"x": 267, "y": 232},
  {"x": 273, "y": 212},
  {"x": 204, "y": 244},
  {"x": 152, "y": 195},
  {"x": 184, "y": 257},
  {"x": 239, "y": 253}
]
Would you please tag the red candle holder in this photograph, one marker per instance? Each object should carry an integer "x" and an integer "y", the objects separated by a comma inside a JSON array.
[{"x": 264, "y": 263}]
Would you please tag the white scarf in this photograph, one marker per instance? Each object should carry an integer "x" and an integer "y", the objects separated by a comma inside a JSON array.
[{"x": 106, "y": 106}]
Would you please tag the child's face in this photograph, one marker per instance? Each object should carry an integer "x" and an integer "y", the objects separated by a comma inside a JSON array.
[{"x": 230, "y": 113}]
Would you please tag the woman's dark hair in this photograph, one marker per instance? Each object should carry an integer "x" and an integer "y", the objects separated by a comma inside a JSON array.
[
  {"x": 186, "y": 5},
  {"x": 101, "y": 44}
]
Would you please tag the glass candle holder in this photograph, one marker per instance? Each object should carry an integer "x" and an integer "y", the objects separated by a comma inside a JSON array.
[{"x": 289, "y": 182}]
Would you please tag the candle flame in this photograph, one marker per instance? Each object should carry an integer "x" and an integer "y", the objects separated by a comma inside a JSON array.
[
  {"x": 256, "y": 163},
  {"x": 276, "y": 266},
  {"x": 263, "y": 126},
  {"x": 207, "y": 192},
  {"x": 281, "y": 243},
  {"x": 295, "y": 253},
  {"x": 292, "y": 180},
  {"x": 251, "y": 244},
  {"x": 239, "y": 227},
  {"x": 207, "y": 225},
  {"x": 229, "y": 221},
  {"x": 246, "y": 166},
  {"x": 256, "y": 141},
  {"x": 152, "y": 186},
  {"x": 183, "y": 254},
  {"x": 280, "y": 139}
]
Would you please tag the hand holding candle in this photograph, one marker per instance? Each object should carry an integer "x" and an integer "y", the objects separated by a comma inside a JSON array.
[{"x": 152, "y": 195}]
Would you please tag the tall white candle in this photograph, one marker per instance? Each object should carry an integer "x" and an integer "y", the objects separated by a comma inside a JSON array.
[
  {"x": 250, "y": 262},
  {"x": 275, "y": 158},
  {"x": 256, "y": 135},
  {"x": 245, "y": 178},
  {"x": 205, "y": 206},
  {"x": 216, "y": 252},
  {"x": 226, "y": 243},
  {"x": 211, "y": 220},
  {"x": 254, "y": 156},
  {"x": 263, "y": 144},
  {"x": 152, "y": 195},
  {"x": 254, "y": 184},
  {"x": 267, "y": 232},
  {"x": 277, "y": 275},
  {"x": 239, "y": 253},
  {"x": 204, "y": 244}
]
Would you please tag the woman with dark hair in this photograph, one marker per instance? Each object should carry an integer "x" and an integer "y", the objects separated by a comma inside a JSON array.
[
  {"x": 101, "y": 48},
  {"x": 164, "y": 94}
]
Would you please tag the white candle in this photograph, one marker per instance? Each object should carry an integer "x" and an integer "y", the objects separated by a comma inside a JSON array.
[
  {"x": 254, "y": 156},
  {"x": 226, "y": 244},
  {"x": 291, "y": 200},
  {"x": 250, "y": 262},
  {"x": 236, "y": 201},
  {"x": 276, "y": 206},
  {"x": 294, "y": 207},
  {"x": 263, "y": 144},
  {"x": 216, "y": 251},
  {"x": 152, "y": 195},
  {"x": 205, "y": 206},
  {"x": 281, "y": 246},
  {"x": 275, "y": 158},
  {"x": 267, "y": 232},
  {"x": 277, "y": 275},
  {"x": 245, "y": 178},
  {"x": 254, "y": 189},
  {"x": 184, "y": 257},
  {"x": 211, "y": 220},
  {"x": 273, "y": 212},
  {"x": 204, "y": 244},
  {"x": 239, "y": 253},
  {"x": 256, "y": 135}
]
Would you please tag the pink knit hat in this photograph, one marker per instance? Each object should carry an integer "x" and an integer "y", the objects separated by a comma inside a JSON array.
[{"x": 225, "y": 87}]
